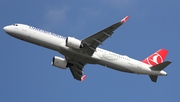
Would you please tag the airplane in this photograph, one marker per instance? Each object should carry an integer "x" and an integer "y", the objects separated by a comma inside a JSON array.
[{"x": 77, "y": 53}]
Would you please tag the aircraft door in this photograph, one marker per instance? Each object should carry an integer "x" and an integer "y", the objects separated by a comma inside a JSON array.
[{"x": 24, "y": 28}]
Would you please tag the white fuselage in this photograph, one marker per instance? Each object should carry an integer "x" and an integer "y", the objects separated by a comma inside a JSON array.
[{"x": 100, "y": 56}]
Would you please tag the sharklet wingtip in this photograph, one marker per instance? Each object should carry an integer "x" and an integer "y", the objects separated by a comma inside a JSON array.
[
  {"x": 83, "y": 77},
  {"x": 124, "y": 19}
]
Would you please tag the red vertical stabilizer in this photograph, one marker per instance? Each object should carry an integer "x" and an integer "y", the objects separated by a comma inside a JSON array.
[{"x": 156, "y": 58}]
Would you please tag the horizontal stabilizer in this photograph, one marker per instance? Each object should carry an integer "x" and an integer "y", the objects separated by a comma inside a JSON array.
[
  {"x": 153, "y": 77},
  {"x": 160, "y": 66}
]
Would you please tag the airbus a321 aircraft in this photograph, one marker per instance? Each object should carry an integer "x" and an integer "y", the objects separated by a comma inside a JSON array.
[{"x": 77, "y": 53}]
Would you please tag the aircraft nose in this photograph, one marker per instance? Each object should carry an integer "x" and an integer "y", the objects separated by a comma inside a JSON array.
[{"x": 6, "y": 28}]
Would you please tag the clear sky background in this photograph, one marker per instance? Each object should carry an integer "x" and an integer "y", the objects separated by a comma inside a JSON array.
[{"x": 26, "y": 74}]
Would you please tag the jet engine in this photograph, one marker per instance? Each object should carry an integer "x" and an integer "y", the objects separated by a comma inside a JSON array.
[
  {"x": 73, "y": 43},
  {"x": 59, "y": 62}
]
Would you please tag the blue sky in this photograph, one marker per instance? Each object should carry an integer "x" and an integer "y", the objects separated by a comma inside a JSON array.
[{"x": 26, "y": 74}]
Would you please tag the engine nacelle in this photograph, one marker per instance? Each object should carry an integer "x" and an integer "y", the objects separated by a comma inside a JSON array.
[
  {"x": 59, "y": 62},
  {"x": 73, "y": 43}
]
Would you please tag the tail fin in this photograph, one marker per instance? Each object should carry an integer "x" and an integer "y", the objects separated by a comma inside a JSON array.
[{"x": 156, "y": 58}]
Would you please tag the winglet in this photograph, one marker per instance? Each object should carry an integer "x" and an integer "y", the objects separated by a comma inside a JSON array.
[
  {"x": 124, "y": 19},
  {"x": 83, "y": 77}
]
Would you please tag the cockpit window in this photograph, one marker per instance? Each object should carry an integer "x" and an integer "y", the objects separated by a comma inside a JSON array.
[{"x": 15, "y": 24}]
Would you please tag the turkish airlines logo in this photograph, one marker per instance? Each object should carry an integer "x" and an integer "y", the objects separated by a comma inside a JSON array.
[{"x": 155, "y": 59}]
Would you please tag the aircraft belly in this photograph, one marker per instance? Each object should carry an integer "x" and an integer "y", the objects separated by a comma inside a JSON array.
[{"x": 116, "y": 65}]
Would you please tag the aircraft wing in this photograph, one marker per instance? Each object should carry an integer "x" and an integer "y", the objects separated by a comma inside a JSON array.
[
  {"x": 92, "y": 42},
  {"x": 76, "y": 67},
  {"x": 77, "y": 73}
]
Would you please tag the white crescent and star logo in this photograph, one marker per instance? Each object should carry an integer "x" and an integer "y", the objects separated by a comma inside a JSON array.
[{"x": 155, "y": 59}]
